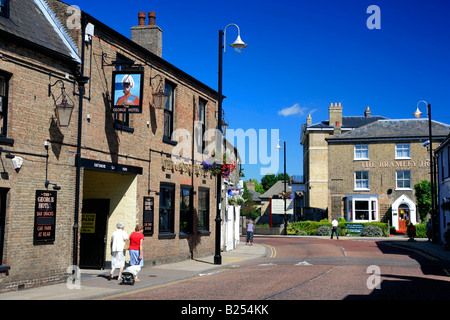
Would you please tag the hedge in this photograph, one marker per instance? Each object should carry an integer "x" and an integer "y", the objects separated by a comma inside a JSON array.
[{"x": 310, "y": 227}]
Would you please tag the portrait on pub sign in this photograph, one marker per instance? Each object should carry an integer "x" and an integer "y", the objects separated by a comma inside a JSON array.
[{"x": 127, "y": 92}]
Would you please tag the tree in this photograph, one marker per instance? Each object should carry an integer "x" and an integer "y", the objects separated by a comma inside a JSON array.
[
  {"x": 270, "y": 179},
  {"x": 423, "y": 197},
  {"x": 258, "y": 187}
]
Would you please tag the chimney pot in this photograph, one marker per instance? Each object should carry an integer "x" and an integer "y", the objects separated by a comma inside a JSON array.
[
  {"x": 151, "y": 18},
  {"x": 141, "y": 17}
]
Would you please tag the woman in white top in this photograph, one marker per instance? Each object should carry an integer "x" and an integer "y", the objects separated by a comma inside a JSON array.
[{"x": 118, "y": 239}]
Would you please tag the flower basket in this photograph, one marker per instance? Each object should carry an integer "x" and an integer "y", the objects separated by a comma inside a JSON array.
[
  {"x": 214, "y": 167},
  {"x": 287, "y": 195}
]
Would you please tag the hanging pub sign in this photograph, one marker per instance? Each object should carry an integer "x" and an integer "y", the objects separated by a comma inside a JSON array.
[
  {"x": 149, "y": 205},
  {"x": 127, "y": 91},
  {"x": 45, "y": 216}
]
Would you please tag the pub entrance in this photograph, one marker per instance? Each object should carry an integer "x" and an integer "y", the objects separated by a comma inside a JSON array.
[{"x": 94, "y": 219}]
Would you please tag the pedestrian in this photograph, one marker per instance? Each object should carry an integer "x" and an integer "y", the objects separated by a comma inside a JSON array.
[
  {"x": 447, "y": 237},
  {"x": 250, "y": 231},
  {"x": 137, "y": 248},
  {"x": 429, "y": 230},
  {"x": 334, "y": 228},
  {"x": 411, "y": 232},
  {"x": 118, "y": 239}
]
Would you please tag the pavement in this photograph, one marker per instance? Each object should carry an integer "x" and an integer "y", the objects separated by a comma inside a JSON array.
[{"x": 94, "y": 284}]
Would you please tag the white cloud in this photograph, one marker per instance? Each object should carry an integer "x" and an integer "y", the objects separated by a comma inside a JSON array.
[{"x": 290, "y": 111}]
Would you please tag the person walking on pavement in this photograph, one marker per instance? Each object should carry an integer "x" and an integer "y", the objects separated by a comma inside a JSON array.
[
  {"x": 250, "y": 231},
  {"x": 429, "y": 230},
  {"x": 334, "y": 229},
  {"x": 118, "y": 239},
  {"x": 137, "y": 248}
]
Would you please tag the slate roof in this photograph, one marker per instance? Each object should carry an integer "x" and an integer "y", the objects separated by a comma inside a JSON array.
[
  {"x": 276, "y": 189},
  {"x": 348, "y": 122},
  {"x": 32, "y": 23},
  {"x": 392, "y": 129}
]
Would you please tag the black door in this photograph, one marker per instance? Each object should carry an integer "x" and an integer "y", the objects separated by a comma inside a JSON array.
[{"x": 93, "y": 233}]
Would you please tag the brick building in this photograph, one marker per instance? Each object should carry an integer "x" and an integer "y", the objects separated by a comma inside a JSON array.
[
  {"x": 362, "y": 168},
  {"x": 372, "y": 170},
  {"x": 140, "y": 166},
  {"x": 315, "y": 150}
]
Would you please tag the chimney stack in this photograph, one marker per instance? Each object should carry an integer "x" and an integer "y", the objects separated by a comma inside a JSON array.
[
  {"x": 367, "y": 112},
  {"x": 335, "y": 115},
  {"x": 141, "y": 16},
  {"x": 148, "y": 36},
  {"x": 151, "y": 18}
]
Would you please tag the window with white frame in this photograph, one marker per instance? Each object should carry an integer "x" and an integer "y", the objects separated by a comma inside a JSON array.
[
  {"x": 361, "y": 180},
  {"x": 402, "y": 151},
  {"x": 362, "y": 208},
  {"x": 403, "y": 178},
  {"x": 362, "y": 152}
]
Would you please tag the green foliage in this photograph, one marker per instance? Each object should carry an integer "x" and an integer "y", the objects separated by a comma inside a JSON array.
[
  {"x": 423, "y": 197},
  {"x": 270, "y": 179},
  {"x": 371, "y": 231},
  {"x": 421, "y": 230},
  {"x": 311, "y": 227}
]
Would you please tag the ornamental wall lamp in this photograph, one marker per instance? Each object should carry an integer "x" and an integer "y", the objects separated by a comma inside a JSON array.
[
  {"x": 159, "y": 96},
  {"x": 64, "y": 109}
]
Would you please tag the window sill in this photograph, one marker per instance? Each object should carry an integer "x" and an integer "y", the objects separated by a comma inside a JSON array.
[
  {"x": 167, "y": 235},
  {"x": 361, "y": 190},
  {"x": 169, "y": 141},
  {"x": 204, "y": 233},
  {"x": 4, "y": 268},
  {"x": 123, "y": 127},
  {"x": 6, "y": 141}
]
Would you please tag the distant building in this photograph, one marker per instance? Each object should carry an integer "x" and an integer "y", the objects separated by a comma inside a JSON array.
[
  {"x": 372, "y": 170},
  {"x": 315, "y": 150},
  {"x": 443, "y": 183}
]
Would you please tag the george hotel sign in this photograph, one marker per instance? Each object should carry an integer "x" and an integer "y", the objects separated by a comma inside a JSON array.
[{"x": 396, "y": 164}]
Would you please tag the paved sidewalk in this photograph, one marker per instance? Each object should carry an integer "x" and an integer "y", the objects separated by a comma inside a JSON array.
[{"x": 95, "y": 284}]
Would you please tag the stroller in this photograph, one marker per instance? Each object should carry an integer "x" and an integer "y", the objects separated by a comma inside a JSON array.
[{"x": 129, "y": 274}]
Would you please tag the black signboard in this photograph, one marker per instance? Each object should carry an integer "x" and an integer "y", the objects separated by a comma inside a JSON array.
[
  {"x": 45, "y": 216},
  {"x": 109, "y": 167},
  {"x": 149, "y": 206}
]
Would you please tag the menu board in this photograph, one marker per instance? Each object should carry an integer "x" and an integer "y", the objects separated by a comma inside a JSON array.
[
  {"x": 149, "y": 206},
  {"x": 45, "y": 216}
]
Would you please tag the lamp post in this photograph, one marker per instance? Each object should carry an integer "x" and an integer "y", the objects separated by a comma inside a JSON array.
[
  {"x": 238, "y": 46},
  {"x": 284, "y": 181},
  {"x": 434, "y": 214}
]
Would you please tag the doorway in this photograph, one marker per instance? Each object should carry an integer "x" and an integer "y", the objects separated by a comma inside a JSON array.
[
  {"x": 94, "y": 217},
  {"x": 404, "y": 217}
]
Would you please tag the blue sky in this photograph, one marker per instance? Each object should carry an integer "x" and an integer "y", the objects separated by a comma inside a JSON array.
[{"x": 301, "y": 56}]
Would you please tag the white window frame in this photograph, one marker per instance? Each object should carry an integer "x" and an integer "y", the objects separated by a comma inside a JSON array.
[
  {"x": 359, "y": 150},
  {"x": 362, "y": 180},
  {"x": 372, "y": 201},
  {"x": 402, "y": 147},
  {"x": 397, "y": 179}
]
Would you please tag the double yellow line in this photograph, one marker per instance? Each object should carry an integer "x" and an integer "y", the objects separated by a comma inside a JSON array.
[{"x": 272, "y": 251}]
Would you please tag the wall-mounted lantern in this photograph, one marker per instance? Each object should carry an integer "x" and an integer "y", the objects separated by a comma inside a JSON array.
[
  {"x": 64, "y": 109},
  {"x": 159, "y": 96}
]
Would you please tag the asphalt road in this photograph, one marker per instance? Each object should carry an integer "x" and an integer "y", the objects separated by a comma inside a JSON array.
[{"x": 315, "y": 269}]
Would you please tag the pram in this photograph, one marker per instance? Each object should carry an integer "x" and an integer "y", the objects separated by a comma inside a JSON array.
[{"x": 129, "y": 274}]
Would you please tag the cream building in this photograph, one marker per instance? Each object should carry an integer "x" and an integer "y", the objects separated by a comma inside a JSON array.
[{"x": 315, "y": 150}]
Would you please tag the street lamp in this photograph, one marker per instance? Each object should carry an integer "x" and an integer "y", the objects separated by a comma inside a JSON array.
[
  {"x": 284, "y": 180},
  {"x": 434, "y": 214},
  {"x": 238, "y": 46}
]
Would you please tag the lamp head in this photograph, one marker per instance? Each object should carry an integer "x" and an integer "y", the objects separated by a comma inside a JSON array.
[{"x": 238, "y": 44}]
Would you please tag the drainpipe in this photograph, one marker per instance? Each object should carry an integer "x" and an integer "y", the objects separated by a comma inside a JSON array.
[{"x": 81, "y": 80}]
